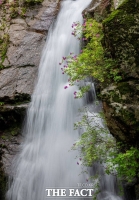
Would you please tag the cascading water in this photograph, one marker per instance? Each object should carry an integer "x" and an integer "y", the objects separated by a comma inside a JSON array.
[{"x": 45, "y": 160}]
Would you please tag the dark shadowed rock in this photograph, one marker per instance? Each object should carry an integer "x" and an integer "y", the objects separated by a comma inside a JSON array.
[{"x": 10, "y": 149}]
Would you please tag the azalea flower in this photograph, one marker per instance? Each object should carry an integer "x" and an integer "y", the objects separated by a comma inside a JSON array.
[{"x": 64, "y": 58}]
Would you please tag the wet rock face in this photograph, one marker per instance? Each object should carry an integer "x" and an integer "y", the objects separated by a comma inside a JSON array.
[{"x": 120, "y": 103}]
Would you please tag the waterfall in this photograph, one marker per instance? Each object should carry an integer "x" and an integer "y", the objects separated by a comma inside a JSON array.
[{"x": 45, "y": 160}]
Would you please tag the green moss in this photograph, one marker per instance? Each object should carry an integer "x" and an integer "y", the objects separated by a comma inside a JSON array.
[
  {"x": 4, "y": 42},
  {"x": 112, "y": 16},
  {"x": 121, "y": 33}
]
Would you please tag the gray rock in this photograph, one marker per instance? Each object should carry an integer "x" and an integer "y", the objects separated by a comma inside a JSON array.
[
  {"x": 44, "y": 21},
  {"x": 45, "y": 17},
  {"x": 16, "y": 33},
  {"x": 20, "y": 22},
  {"x": 17, "y": 81},
  {"x": 29, "y": 51}
]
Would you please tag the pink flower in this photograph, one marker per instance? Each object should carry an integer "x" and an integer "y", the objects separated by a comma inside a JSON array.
[
  {"x": 64, "y": 58},
  {"x": 97, "y": 35},
  {"x": 77, "y": 163},
  {"x": 66, "y": 87}
]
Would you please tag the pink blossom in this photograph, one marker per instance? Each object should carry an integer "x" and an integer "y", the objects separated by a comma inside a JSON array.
[
  {"x": 66, "y": 87},
  {"x": 84, "y": 24},
  {"x": 97, "y": 35},
  {"x": 64, "y": 58}
]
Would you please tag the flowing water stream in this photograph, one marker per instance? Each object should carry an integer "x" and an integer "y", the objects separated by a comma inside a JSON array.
[{"x": 45, "y": 160}]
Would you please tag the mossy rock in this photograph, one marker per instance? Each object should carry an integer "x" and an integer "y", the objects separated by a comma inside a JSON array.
[{"x": 121, "y": 38}]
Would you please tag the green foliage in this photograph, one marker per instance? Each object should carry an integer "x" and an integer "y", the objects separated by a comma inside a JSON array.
[
  {"x": 126, "y": 164},
  {"x": 93, "y": 61},
  {"x": 3, "y": 48},
  {"x": 97, "y": 145},
  {"x": 1, "y": 103}
]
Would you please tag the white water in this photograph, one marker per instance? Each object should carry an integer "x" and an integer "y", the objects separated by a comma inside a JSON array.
[{"x": 45, "y": 160}]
